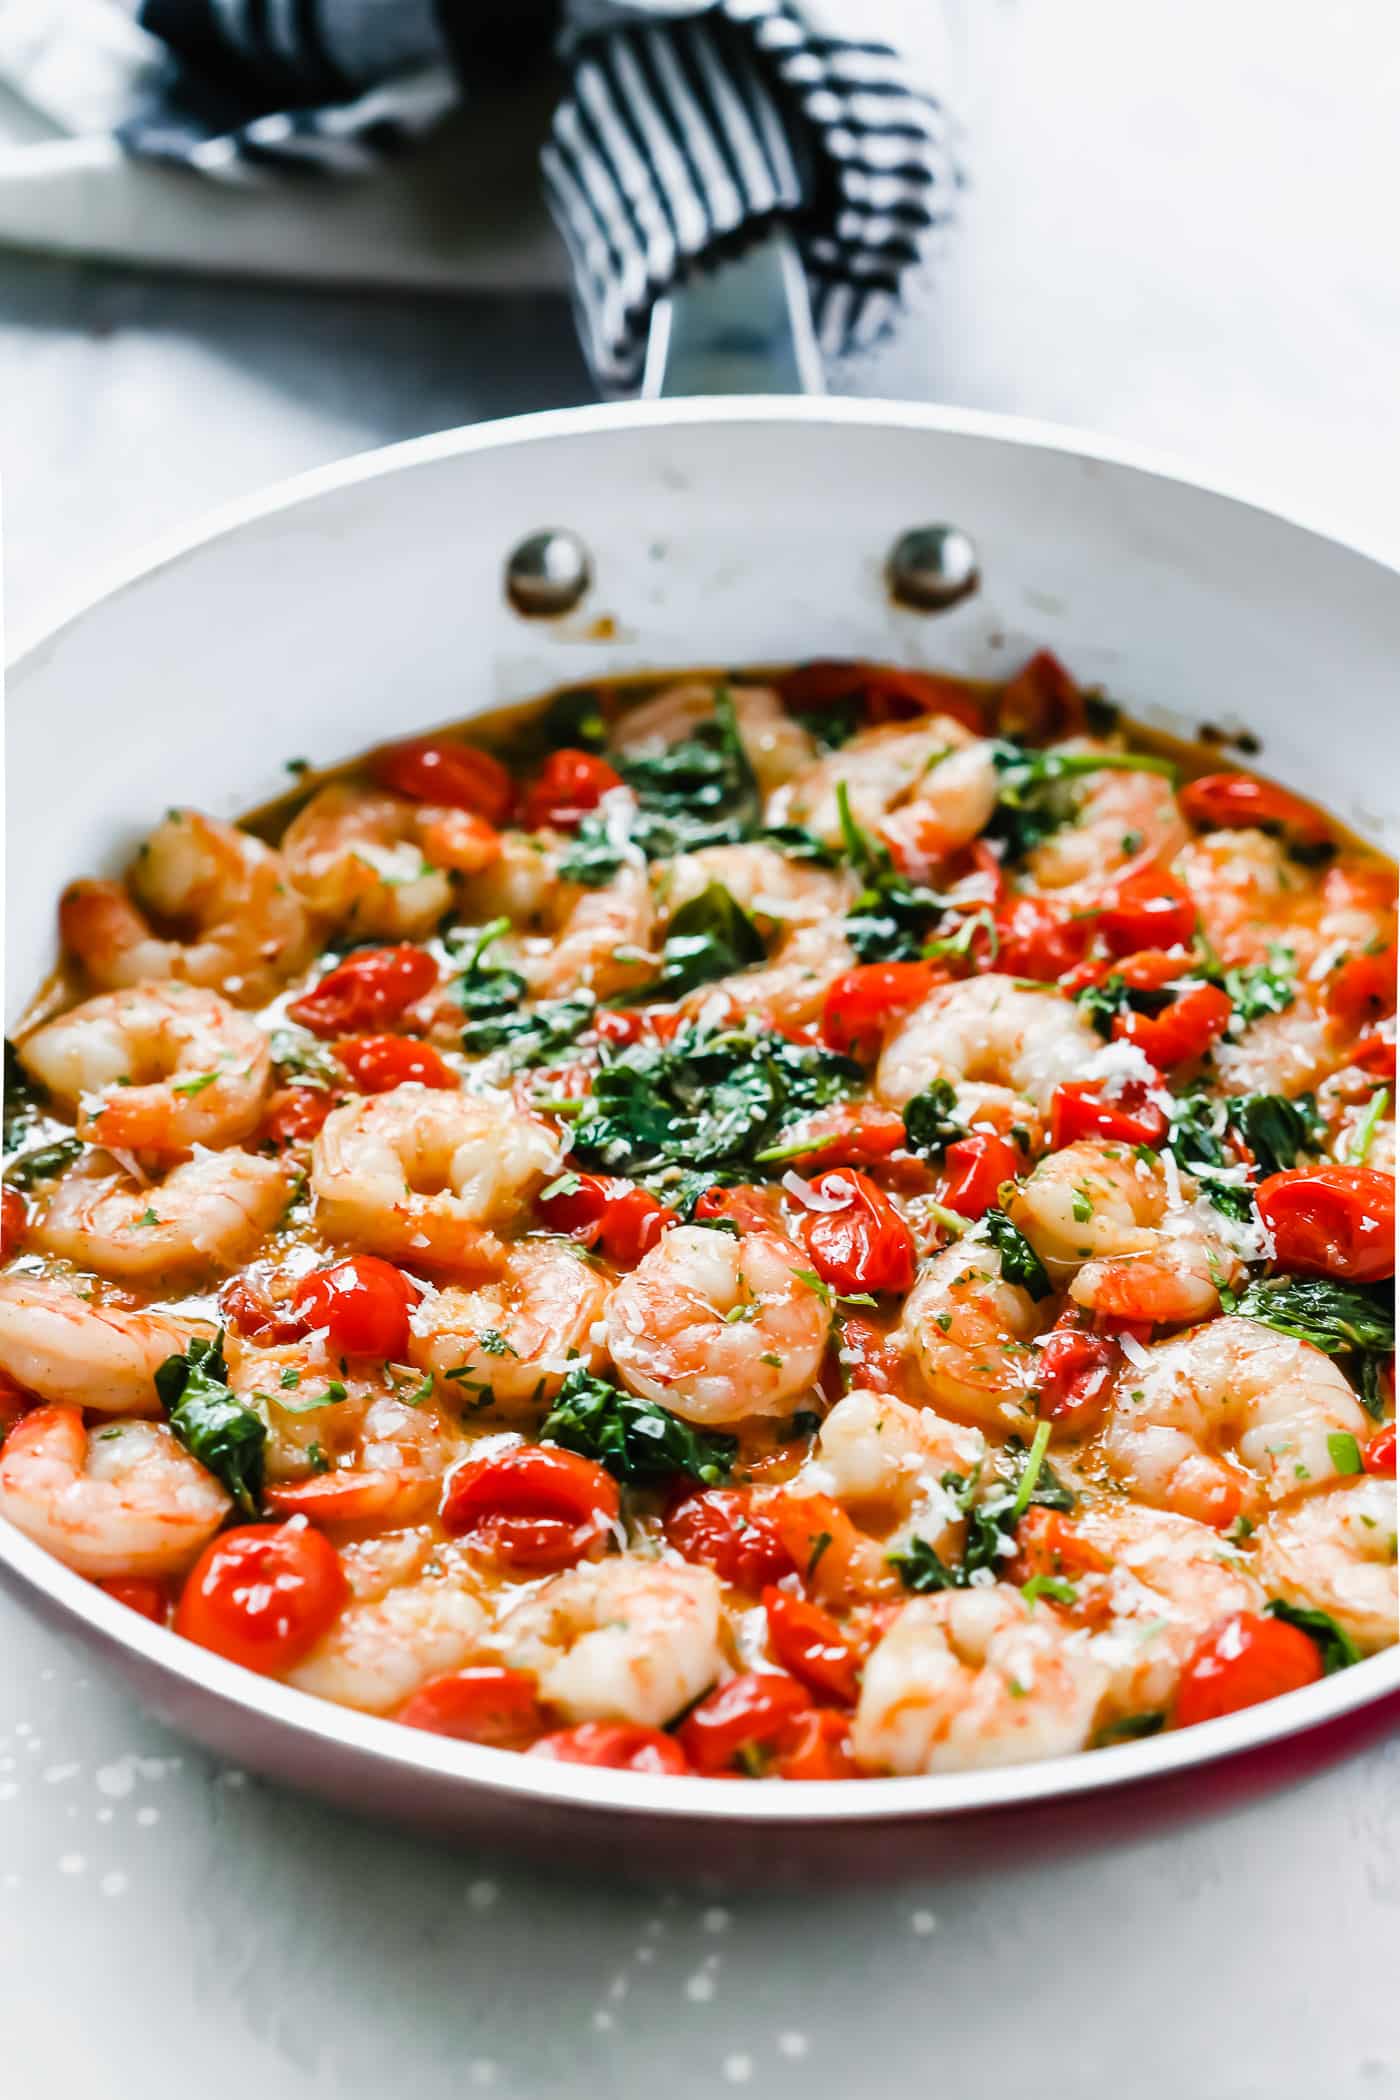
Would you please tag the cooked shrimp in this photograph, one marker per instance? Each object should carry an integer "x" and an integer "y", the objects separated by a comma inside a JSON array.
[
  {"x": 599, "y": 939},
  {"x": 126, "y": 1499},
  {"x": 1335, "y": 1552},
  {"x": 223, "y": 895},
  {"x": 971, "y": 1678},
  {"x": 879, "y": 769},
  {"x": 1120, "y": 819},
  {"x": 356, "y": 857},
  {"x": 521, "y": 884},
  {"x": 776, "y": 746},
  {"x": 1247, "y": 890},
  {"x": 777, "y": 892},
  {"x": 58, "y": 1344},
  {"x": 208, "y": 1213},
  {"x": 1000, "y": 1045},
  {"x": 156, "y": 1068},
  {"x": 717, "y": 1328},
  {"x": 951, "y": 805},
  {"x": 389, "y": 1640},
  {"x": 1358, "y": 1115},
  {"x": 620, "y": 1640},
  {"x": 970, "y": 1333},
  {"x": 423, "y": 1176},
  {"x": 789, "y": 990},
  {"x": 510, "y": 1341},
  {"x": 885, "y": 1462},
  {"x": 1100, "y": 1214},
  {"x": 1278, "y": 1054},
  {"x": 1230, "y": 1416}
]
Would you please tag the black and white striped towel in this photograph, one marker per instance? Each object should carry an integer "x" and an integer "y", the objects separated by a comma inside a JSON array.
[{"x": 684, "y": 127}]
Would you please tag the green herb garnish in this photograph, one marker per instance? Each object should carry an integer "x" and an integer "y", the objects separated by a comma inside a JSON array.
[
  {"x": 216, "y": 1427},
  {"x": 638, "y": 1441}
]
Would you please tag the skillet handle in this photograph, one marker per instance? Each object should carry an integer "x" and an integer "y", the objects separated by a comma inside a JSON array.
[{"x": 744, "y": 327}]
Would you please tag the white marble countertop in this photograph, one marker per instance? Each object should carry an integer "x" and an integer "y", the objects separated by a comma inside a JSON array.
[{"x": 1180, "y": 231}]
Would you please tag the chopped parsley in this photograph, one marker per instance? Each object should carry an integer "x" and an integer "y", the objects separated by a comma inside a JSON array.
[
  {"x": 993, "y": 1510},
  {"x": 698, "y": 791}
]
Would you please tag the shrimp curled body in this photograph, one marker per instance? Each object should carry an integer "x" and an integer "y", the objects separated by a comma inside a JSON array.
[
  {"x": 125, "y": 1500},
  {"x": 620, "y": 1640}
]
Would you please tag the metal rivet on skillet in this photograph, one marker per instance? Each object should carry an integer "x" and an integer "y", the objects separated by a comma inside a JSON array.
[
  {"x": 931, "y": 567},
  {"x": 548, "y": 573}
]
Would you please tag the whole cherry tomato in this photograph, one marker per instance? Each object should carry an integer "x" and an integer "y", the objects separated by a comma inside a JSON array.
[
  {"x": 720, "y": 1528},
  {"x": 816, "y": 1745},
  {"x": 1227, "y": 801},
  {"x": 1379, "y": 1454},
  {"x": 863, "y": 1246},
  {"x": 749, "y": 1714},
  {"x": 974, "y": 1169},
  {"x": 452, "y": 775},
  {"x": 294, "y": 1115},
  {"x": 364, "y": 1304},
  {"x": 486, "y": 1703},
  {"x": 14, "y": 1222},
  {"x": 861, "y": 1004},
  {"x": 1241, "y": 1661},
  {"x": 568, "y": 785},
  {"x": 622, "y": 1220},
  {"x": 1361, "y": 990},
  {"x": 1148, "y": 909},
  {"x": 369, "y": 989},
  {"x": 140, "y": 1594},
  {"x": 751, "y": 1207},
  {"x": 1074, "y": 1373},
  {"x": 1376, "y": 1054},
  {"x": 1079, "y": 1110},
  {"x": 263, "y": 1595},
  {"x": 620, "y": 1746},
  {"x": 537, "y": 1506},
  {"x": 378, "y": 1063},
  {"x": 1036, "y": 937},
  {"x": 1331, "y": 1221},
  {"x": 1181, "y": 1032},
  {"x": 811, "y": 1646}
]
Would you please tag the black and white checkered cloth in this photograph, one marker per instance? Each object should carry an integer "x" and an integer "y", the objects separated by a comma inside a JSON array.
[{"x": 683, "y": 128}]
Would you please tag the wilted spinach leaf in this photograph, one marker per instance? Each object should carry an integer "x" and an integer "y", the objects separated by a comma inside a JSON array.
[
  {"x": 226, "y": 1435},
  {"x": 637, "y": 1440}
]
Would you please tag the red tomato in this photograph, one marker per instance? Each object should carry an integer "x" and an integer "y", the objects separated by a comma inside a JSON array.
[
  {"x": 452, "y": 775},
  {"x": 1242, "y": 1660},
  {"x": 1074, "y": 1371},
  {"x": 378, "y": 1063},
  {"x": 1376, "y": 1054},
  {"x": 263, "y": 1595},
  {"x": 889, "y": 694},
  {"x": 750, "y": 1713},
  {"x": 1041, "y": 699},
  {"x": 826, "y": 1549},
  {"x": 868, "y": 1138},
  {"x": 622, "y": 1746},
  {"x": 816, "y": 1745},
  {"x": 294, "y": 1115},
  {"x": 974, "y": 1169},
  {"x": 485, "y": 1703},
  {"x": 1036, "y": 937},
  {"x": 720, "y": 1528},
  {"x": 1226, "y": 801},
  {"x": 1379, "y": 1454},
  {"x": 1048, "y": 1544},
  {"x": 1078, "y": 1110},
  {"x": 369, "y": 989},
  {"x": 752, "y": 1209},
  {"x": 1182, "y": 1031},
  {"x": 364, "y": 1304},
  {"x": 1148, "y": 971},
  {"x": 140, "y": 1594},
  {"x": 258, "y": 1317},
  {"x": 620, "y": 1219},
  {"x": 1361, "y": 990},
  {"x": 537, "y": 1506},
  {"x": 870, "y": 1357},
  {"x": 864, "y": 1246},
  {"x": 14, "y": 1219},
  {"x": 811, "y": 1646},
  {"x": 1150, "y": 909},
  {"x": 568, "y": 785},
  {"x": 1331, "y": 1221},
  {"x": 860, "y": 1005}
]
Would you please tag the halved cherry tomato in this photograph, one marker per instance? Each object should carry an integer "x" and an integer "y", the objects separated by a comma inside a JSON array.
[
  {"x": 811, "y": 1646},
  {"x": 1227, "y": 801},
  {"x": 1048, "y": 1544},
  {"x": 1040, "y": 700},
  {"x": 621, "y": 1746},
  {"x": 974, "y": 1169},
  {"x": 485, "y": 1703},
  {"x": 377, "y": 1063},
  {"x": 888, "y": 694},
  {"x": 537, "y": 1506},
  {"x": 263, "y": 1595},
  {"x": 294, "y": 1115},
  {"x": 1149, "y": 970},
  {"x": 1331, "y": 1221},
  {"x": 364, "y": 1304},
  {"x": 870, "y": 1357},
  {"x": 140, "y": 1594},
  {"x": 1181, "y": 1032},
  {"x": 1149, "y": 909},
  {"x": 749, "y": 1714},
  {"x": 453, "y": 775},
  {"x": 258, "y": 1317},
  {"x": 14, "y": 1221},
  {"x": 621, "y": 1219},
  {"x": 568, "y": 785},
  {"x": 720, "y": 1528},
  {"x": 816, "y": 1745},
  {"x": 613, "y": 1026},
  {"x": 863, "y": 1246},
  {"x": 1361, "y": 990},
  {"x": 1379, "y": 1455},
  {"x": 860, "y": 1005},
  {"x": 1241, "y": 1661},
  {"x": 826, "y": 1549},
  {"x": 1079, "y": 1110},
  {"x": 1074, "y": 1372},
  {"x": 1036, "y": 937},
  {"x": 370, "y": 988}
]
